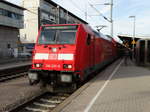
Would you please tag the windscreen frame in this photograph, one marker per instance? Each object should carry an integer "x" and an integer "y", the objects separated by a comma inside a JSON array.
[{"x": 57, "y": 28}]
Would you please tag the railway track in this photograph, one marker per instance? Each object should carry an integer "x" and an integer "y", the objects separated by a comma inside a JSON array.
[
  {"x": 43, "y": 103},
  {"x": 12, "y": 76},
  {"x": 8, "y": 74},
  {"x": 50, "y": 102}
]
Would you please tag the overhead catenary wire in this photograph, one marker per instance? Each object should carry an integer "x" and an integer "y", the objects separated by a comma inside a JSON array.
[
  {"x": 81, "y": 10},
  {"x": 100, "y": 13},
  {"x": 92, "y": 6},
  {"x": 76, "y": 5}
]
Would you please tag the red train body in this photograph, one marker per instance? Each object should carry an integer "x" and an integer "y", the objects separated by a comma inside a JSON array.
[{"x": 67, "y": 54}]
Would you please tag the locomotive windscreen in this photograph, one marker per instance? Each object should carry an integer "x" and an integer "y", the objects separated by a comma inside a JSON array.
[{"x": 58, "y": 35}]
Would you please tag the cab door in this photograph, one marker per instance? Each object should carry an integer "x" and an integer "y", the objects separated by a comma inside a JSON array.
[
  {"x": 92, "y": 47},
  {"x": 91, "y": 52}
]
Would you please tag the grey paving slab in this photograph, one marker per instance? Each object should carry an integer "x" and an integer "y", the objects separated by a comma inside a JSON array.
[{"x": 127, "y": 91}]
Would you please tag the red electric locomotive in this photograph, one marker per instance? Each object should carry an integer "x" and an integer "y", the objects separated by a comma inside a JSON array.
[{"x": 66, "y": 54}]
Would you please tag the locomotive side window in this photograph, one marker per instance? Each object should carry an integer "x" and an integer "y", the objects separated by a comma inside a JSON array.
[
  {"x": 88, "y": 39},
  {"x": 58, "y": 35}
]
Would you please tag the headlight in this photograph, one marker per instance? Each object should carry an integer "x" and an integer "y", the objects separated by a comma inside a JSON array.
[
  {"x": 67, "y": 66},
  {"x": 38, "y": 65}
]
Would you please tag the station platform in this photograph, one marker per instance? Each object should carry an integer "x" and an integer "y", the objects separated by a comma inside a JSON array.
[{"x": 119, "y": 88}]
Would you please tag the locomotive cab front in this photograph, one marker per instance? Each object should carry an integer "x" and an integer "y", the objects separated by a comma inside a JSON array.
[{"x": 54, "y": 55}]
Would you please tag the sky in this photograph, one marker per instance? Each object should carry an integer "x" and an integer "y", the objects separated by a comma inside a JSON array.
[{"x": 122, "y": 9}]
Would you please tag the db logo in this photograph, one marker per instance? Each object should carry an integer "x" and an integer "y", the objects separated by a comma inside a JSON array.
[{"x": 53, "y": 56}]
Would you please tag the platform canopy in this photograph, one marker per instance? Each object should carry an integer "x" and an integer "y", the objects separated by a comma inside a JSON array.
[{"x": 128, "y": 40}]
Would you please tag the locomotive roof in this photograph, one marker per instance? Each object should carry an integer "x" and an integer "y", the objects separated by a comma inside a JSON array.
[{"x": 98, "y": 34}]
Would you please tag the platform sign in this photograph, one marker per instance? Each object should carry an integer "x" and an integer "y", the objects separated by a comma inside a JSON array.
[{"x": 133, "y": 42}]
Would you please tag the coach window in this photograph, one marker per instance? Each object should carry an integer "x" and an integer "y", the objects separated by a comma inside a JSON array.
[{"x": 88, "y": 39}]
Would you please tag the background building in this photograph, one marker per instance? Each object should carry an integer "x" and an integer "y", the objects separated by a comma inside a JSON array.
[
  {"x": 11, "y": 20},
  {"x": 41, "y": 12}
]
